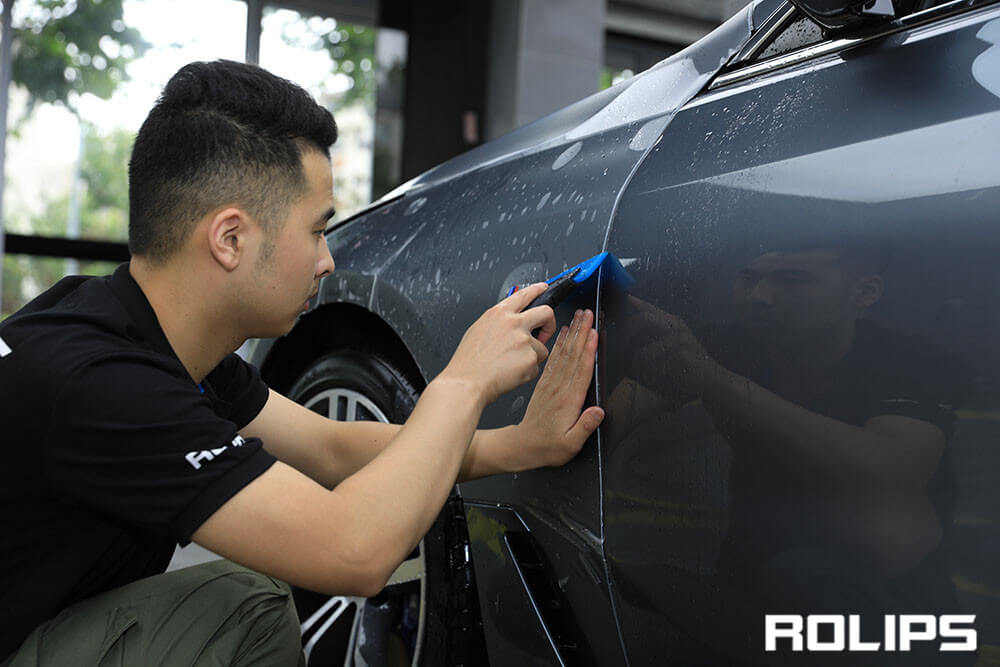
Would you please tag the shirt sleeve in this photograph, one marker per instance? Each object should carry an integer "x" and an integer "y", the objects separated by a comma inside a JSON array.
[
  {"x": 915, "y": 405},
  {"x": 907, "y": 376},
  {"x": 137, "y": 441},
  {"x": 236, "y": 390}
]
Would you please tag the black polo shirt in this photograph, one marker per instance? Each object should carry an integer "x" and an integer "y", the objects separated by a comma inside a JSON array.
[
  {"x": 112, "y": 454},
  {"x": 775, "y": 506}
]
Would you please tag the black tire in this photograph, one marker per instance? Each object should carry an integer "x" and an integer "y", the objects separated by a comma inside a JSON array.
[{"x": 431, "y": 620}]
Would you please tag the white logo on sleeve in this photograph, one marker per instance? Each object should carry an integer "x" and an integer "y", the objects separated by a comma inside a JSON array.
[
  {"x": 4, "y": 348},
  {"x": 206, "y": 455}
]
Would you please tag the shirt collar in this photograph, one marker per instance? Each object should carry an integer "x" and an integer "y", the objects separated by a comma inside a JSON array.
[{"x": 141, "y": 313}]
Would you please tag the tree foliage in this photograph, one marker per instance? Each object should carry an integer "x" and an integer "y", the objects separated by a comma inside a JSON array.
[
  {"x": 103, "y": 212},
  {"x": 351, "y": 48},
  {"x": 63, "y": 48}
]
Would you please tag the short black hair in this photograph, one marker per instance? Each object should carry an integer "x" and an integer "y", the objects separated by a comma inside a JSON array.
[
  {"x": 221, "y": 132},
  {"x": 858, "y": 251}
]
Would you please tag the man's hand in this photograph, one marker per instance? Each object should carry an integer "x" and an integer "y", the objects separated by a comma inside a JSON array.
[
  {"x": 498, "y": 352},
  {"x": 667, "y": 355},
  {"x": 553, "y": 429}
]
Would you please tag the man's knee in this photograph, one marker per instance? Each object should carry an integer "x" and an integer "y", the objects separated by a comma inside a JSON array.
[
  {"x": 263, "y": 627},
  {"x": 218, "y": 613}
]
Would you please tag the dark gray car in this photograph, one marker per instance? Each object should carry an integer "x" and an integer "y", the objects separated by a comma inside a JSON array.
[{"x": 801, "y": 384}]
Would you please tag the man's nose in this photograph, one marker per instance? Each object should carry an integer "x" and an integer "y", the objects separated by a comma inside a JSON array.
[
  {"x": 326, "y": 265},
  {"x": 761, "y": 292}
]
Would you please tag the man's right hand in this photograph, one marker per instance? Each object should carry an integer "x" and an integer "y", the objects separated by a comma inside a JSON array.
[{"x": 498, "y": 352}]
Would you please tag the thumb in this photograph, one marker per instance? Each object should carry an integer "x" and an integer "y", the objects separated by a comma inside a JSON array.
[{"x": 586, "y": 424}]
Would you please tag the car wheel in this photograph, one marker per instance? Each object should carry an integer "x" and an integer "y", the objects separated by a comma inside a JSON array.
[{"x": 428, "y": 613}]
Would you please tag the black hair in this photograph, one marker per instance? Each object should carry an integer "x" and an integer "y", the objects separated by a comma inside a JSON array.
[
  {"x": 858, "y": 252},
  {"x": 221, "y": 132}
]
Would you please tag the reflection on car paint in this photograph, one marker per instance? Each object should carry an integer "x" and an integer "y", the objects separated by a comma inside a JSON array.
[
  {"x": 963, "y": 153},
  {"x": 755, "y": 252},
  {"x": 567, "y": 156},
  {"x": 986, "y": 68},
  {"x": 648, "y": 134}
]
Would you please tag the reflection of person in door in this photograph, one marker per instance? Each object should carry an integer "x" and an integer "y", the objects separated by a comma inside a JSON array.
[{"x": 840, "y": 477}]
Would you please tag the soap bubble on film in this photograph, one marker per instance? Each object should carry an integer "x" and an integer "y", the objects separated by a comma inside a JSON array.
[
  {"x": 416, "y": 206},
  {"x": 566, "y": 156}
]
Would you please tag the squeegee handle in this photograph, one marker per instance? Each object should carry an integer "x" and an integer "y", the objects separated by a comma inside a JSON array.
[{"x": 555, "y": 293}]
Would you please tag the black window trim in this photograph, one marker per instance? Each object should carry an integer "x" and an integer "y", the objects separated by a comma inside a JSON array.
[
  {"x": 769, "y": 30},
  {"x": 746, "y": 70}
]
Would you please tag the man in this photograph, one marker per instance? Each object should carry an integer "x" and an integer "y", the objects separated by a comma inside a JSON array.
[{"x": 130, "y": 425}]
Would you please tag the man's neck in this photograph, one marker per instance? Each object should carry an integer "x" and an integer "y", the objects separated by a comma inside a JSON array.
[
  {"x": 196, "y": 329},
  {"x": 805, "y": 366}
]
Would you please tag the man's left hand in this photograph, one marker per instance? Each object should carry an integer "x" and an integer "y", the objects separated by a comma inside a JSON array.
[{"x": 554, "y": 429}]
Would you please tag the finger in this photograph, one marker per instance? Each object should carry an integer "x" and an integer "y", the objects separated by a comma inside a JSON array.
[
  {"x": 562, "y": 351},
  {"x": 651, "y": 356},
  {"x": 572, "y": 349},
  {"x": 585, "y": 426},
  {"x": 519, "y": 300},
  {"x": 557, "y": 356},
  {"x": 541, "y": 352},
  {"x": 642, "y": 306},
  {"x": 545, "y": 335},
  {"x": 541, "y": 317},
  {"x": 584, "y": 323},
  {"x": 583, "y": 368}
]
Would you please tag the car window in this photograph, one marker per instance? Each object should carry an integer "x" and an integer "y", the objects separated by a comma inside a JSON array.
[{"x": 800, "y": 31}]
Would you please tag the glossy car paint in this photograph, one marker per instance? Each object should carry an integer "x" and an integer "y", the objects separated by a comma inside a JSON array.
[
  {"x": 908, "y": 163},
  {"x": 891, "y": 139}
]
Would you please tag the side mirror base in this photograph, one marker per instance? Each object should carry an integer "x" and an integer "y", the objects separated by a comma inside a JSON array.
[{"x": 838, "y": 15}]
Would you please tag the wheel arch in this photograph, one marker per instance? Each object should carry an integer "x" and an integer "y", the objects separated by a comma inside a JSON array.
[{"x": 326, "y": 328}]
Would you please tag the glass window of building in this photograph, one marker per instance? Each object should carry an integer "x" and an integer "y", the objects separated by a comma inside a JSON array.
[
  {"x": 335, "y": 62},
  {"x": 84, "y": 77}
]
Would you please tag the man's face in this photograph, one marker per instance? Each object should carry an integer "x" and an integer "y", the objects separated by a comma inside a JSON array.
[
  {"x": 292, "y": 259},
  {"x": 794, "y": 296}
]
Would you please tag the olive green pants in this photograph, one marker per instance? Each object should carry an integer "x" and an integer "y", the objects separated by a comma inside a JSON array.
[{"x": 213, "y": 614}]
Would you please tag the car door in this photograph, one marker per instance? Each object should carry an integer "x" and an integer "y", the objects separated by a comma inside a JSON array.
[{"x": 802, "y": 383}]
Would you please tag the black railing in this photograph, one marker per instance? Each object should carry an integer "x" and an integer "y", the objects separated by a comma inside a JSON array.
[{"x": 52, "y": 246}]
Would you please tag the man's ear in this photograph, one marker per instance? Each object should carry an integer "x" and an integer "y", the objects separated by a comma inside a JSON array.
[
  {"x": 227, "y": 237},
  {"x": 868, "y": 290}
]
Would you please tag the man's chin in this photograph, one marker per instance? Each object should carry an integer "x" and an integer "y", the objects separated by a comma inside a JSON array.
[{"x": 277, "y": 329}]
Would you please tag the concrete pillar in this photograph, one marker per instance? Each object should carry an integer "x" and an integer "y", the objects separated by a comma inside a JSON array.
[{"x": 543, "y": 55}]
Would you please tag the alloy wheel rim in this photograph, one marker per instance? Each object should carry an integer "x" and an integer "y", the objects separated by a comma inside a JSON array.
[{"x": 408, "y": 580}]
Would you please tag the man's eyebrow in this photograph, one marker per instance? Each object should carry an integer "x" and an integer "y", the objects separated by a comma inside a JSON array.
[
  {"x": 325, "y": 218},
  {"x": 793, "y": 273},
  {"x": 776, "y": 273}
]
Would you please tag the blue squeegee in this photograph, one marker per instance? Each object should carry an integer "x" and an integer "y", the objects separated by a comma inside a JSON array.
[{"x": 571, "y": 279}]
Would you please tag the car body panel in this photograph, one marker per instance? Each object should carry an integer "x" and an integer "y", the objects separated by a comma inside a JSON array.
[
  {"x": 512, "y": 617},
  {"x": 908, "y": 161}
]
